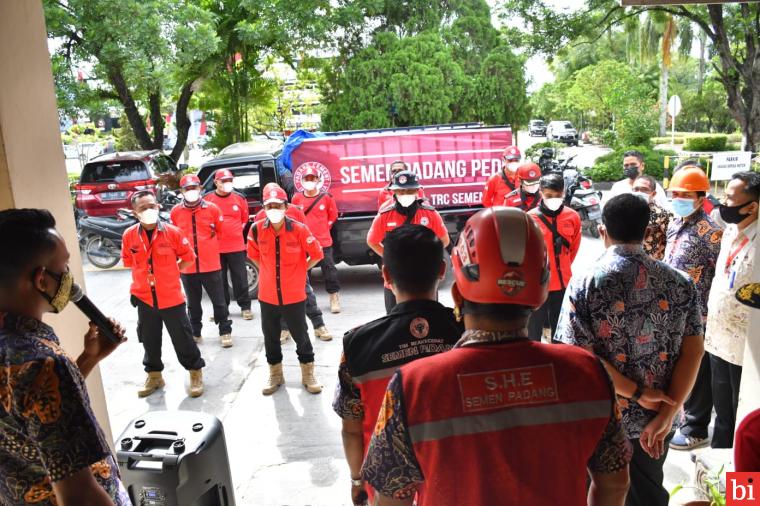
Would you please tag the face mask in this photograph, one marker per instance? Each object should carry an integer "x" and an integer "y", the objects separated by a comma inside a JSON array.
[
  {"x": 530, "y": 188},
  {"x": 309, "y": 185},
  {"x": 553, "y": 204},
  {"x": 149, "y": 216},
  {"x": 406, "y": 200},
  {"x": 730, "y": 214},
  {"x": 227, "y": 187},
  {"x": 63, "y": 294},
  {"x": 192, "y": 195},
  {"x": 275, "y": 215},
  {"x": 683, "y": 207},
  {"x": 644, "y": 196},
  {"x": 512, "y": 166},
  {"x": 631, "y": 172}
]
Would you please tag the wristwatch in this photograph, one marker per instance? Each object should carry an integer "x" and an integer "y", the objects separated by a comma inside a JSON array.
[
  {"x": 357, "y": 482},
  {"x": 637, "y": 394}
]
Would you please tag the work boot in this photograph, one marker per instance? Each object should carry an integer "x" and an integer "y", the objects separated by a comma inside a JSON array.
[
  {"x": 334, "y": 303},
  {"x": 247, "y": 314},
  {"x": 322, "y": 333},
  {"x": 197, "y": 339},
  {"x": 308, "y": 379},
  {"x": 276, "y": 378},
  {"x": 196, "y": 382},
  {"x": 284, "y": 336},
  {"x": 153, "y": 382},
  {"x": 226, "y": 340}
]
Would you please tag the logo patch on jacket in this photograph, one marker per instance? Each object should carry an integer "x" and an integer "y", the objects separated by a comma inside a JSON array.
[{"x": 419, "y": 328}]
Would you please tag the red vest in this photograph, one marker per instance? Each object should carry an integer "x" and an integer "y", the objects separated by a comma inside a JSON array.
[{"x": 506, "y": 423}]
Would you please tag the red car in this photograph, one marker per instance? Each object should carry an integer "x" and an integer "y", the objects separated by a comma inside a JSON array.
[{"x": 108, "y": 181}]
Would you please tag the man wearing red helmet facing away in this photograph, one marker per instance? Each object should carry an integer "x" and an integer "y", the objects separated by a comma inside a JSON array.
[
  {"x": 234, "y": 208},
  {"x": 513, "y": 421},
  {"x": 504, "y": 182},
  {"x": 527, "y": 196},
  {"x": 201, "y": 222}
]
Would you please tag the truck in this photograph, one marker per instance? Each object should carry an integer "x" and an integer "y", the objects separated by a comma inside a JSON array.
[{"x": 452, "y": 161}]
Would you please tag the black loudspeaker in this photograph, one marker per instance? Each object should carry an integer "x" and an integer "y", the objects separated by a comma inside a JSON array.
[{"x": 175, "y": 458}]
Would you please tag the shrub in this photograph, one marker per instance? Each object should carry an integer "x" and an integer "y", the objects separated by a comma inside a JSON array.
[
  {"x": 637, "y": 124},
  {"x": 706, "y": 143},
  {"x": 666, "y": 140},
  {"x": 609, "y": 167},
  {"x": 607, "y": 137}
]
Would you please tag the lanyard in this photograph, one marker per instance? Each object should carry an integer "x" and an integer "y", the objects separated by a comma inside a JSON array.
[
  {"x": 732, "y": 256},
  {"x": 149, "y": 250}
]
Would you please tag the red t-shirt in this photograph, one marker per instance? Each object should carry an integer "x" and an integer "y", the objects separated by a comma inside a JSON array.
[
  {"x": 496, "y": 188},
  {"x": 200, "y": 225},
  {"x": 234, "y": 208},
  {"x": 568, "y": 224},
  {"x": 282, "y": 260},
  {"x": 321, "y": 217},
  {"x": 155, "y": 273}
]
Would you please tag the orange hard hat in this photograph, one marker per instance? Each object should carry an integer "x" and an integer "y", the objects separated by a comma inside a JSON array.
[{"x": 689, "y": 179}]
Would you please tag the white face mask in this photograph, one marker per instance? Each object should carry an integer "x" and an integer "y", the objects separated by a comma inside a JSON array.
[
  {"x": 512, "y": 166},
  {"x": 227, "y": 187},
  {"x": 275, "y": 215},
  {"x": 192, "y": 195},
  {"x": 554, "y": 204},
  {"x": 309, "y": 185},
  {"x": 149, "y": 216},
  {"x": 406, "y": 200},
  {"x": 530, "y": 188}
]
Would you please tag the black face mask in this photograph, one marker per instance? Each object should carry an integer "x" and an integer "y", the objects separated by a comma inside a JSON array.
[
  {"x": 730, "y": 214},
  {"x": 631, "y": 172}
]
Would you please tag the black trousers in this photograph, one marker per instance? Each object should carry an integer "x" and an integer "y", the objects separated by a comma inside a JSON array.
[
  {"x": 546, "y": 315},
  {"x": 211, "y": 282},
  {"x": 295, "y": 316},
  {"x": 646, "y": 477},
  {"x": 234, "y": 264},
  {"x": 312, "y": 309},
  {"x": 390, "y": 300},
  {"x": 698, "y": 407},
  {"x": 329, "y": 272},
  {"x": 726, "y": 378},
  {"x": 150, "y": 322}
]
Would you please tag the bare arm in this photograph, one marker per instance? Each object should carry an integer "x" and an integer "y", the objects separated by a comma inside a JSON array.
[
  {"x": 81, "y": 488},
  {"x": 608, "y": 489},
  {"x": 312, "y": 263},
  {"x": 376, "y": 247},
  {"x": 184, "y": 264},
  {"x": 651, "y": 398}
]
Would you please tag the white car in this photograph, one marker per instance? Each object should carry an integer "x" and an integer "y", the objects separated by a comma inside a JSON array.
[{"x": 562, "y": 131}]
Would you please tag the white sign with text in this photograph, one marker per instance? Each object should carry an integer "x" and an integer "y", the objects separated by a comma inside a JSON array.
[{"x": 728, "y": 163}]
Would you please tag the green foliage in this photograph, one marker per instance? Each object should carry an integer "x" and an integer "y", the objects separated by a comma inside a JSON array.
[
  {"x": 706, "y": 143},
  {"x": 500, "y": 100},
  {"x": 609, "y": 167},
  {"x": 607, "y": 137},
  {"x": 534, "y": 152},
  {"x": 125, "y": 136},
  {"x": 637, "y": 122}
]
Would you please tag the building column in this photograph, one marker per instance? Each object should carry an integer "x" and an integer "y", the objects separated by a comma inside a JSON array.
[{"x": 32, "y": 166}]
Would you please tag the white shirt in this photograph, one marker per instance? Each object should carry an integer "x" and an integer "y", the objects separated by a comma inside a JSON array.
[
  {"x": 625, "y": 186},
  {"x": 727, "y": 318}
]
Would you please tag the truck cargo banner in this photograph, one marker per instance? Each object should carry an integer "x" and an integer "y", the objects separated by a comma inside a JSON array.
[{"x": 453, "y": 165}]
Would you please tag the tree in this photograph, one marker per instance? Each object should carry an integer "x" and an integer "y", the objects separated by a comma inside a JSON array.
[
  {"x": 732, "y": 29},
  {"x": 501, "y": 90}
]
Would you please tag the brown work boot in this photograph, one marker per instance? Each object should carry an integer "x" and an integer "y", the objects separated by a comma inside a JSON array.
[
  {"x": 276, "y": 378},
  {"x": 226, "y": 340},
  {"x": 247, "y": 314},
  {"x": 284, "y": 336},
  {"x": 308, "y": 379},
  {"x": 322, "y": 333},
  {"x": 334, "y": 303},
  {"x": 153, "y": 382},
  {"x": 196, "y": 382}
]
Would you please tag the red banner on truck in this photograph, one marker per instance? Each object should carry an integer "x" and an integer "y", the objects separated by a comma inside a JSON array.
[{"x": 453, "y": 165}]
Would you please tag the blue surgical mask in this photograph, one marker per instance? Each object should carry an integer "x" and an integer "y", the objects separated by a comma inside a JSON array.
[{"x": 683, "y": 207}]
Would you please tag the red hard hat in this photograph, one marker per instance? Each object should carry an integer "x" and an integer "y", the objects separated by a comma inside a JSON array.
[
  {"x": 529, "y": 172},
  {"x": 311, "y": 171},
  {"x": 223, "y": 174},
  {"x": 501, "y": 259},
  {"x": 274, "y": 193},
  {"x": 511, "y": 153},
  {"x": 189, "y": 180}
]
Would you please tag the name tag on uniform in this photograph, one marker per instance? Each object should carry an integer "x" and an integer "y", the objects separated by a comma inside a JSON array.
[
  {"x": 235, "y": 207},
  {"x": 505, "y": 388},
  {"x": 390, "y": 224}
]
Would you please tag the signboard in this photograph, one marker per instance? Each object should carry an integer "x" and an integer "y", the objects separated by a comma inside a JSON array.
[
  {"x": 726, "y": 164},
  {"x": 674, "y": 105},
  {"x": 452, "y": 165}
]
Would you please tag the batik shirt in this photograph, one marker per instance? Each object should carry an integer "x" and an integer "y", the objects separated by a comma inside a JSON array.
[
  {"x": 693, "y": 247},
  {"x": 656, "y": 234},
  {"x": 633, "y": 312},
  {"x": 48, "y": 431}
]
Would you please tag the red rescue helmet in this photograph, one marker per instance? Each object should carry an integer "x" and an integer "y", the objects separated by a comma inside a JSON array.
[
  {"x": 512, "y": 154},
  {"x": 223, "y": 174},
  {"x": 501, "y": 259},
  {"x": 529, "y": 172},
  {"x": 311, "y": 171},
  {"x": 274, "y": 193},
  {"x": 189, "y": 180}
]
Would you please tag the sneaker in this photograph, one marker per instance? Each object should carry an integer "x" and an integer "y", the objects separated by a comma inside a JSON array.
[
  {"x": 226, "y": 340},
  {"x": 247, "y": 314},
  {"x": 284, "y": 336},
  {"x": 683, "y": 442}
]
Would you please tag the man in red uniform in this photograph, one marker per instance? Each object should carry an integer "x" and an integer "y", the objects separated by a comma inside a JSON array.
[
  {"x": 321, "y": 214},
  {"x": 418, "y": 326},
  {"x": 405, "y": 208},
  {"x": 527, "y": 196},
  {"x": 386, "y": 193},
  {"x": 201, "y": 222},
  {"x": 283, "y": 250},
  {"x": 234, "y": 209},
  {"x": 499, "y": 419},
  {"x": 561, "y": 228},
  {"x": 505, "y": 181},
  {"x": 156, "y": 252}
]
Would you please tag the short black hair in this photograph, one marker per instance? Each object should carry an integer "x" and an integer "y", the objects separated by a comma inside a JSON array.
[
  {"x": 751, "y": 183},
  {"x": 626, "y": 218},
  {"x": 691, "y": 162},
  {"x": 649, "y": 179},
  {"x": 552, "y": 181},
  {"x": 27, "y": 237},
  {"x": 405, "y": 166},
  {"x": 413, "y": 256},
  {"x": 637, "y": 154},
  {"x": 138, "y": 195}
]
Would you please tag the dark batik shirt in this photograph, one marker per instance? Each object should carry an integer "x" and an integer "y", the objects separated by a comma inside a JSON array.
[
  {"x": 48, "y": 431},
  {"x": 657, "y": 231}
]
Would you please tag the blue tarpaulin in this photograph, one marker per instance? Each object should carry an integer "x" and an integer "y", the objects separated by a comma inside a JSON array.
[{"x": 295, "y": 140}]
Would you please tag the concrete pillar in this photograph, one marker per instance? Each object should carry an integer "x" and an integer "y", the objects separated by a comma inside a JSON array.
[{"x": 32, "y": 167}]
